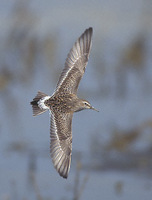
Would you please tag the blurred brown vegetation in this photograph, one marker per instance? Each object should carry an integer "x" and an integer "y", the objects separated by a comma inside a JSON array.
[{"x": 119, "y": 152}]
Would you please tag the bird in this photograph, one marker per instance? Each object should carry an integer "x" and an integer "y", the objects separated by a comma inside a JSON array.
[{"x": 64, "y": 102}]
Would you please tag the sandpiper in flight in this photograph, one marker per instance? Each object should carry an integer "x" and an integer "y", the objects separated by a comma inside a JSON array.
[{"x": 64, "y": 102}]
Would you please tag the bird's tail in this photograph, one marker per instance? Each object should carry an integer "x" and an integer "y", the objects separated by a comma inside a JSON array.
[{"x": 38, "y": 104}]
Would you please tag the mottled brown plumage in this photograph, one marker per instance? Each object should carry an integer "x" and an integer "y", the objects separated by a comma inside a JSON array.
[{"x": 64, "y": 102}]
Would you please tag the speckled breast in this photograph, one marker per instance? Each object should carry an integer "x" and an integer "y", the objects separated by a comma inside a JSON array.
[{"x": 64, "y": 103}]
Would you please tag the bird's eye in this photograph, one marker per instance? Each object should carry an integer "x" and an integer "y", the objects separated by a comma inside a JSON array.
[{"x": 86, "y": 104}]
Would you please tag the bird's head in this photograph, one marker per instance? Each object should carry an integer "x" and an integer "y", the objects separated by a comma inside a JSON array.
[{"x": 84, "y": 104}]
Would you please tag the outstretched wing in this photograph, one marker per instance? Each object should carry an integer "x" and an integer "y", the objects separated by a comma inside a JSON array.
[
  {"x": 61, "y": 142},
  {"x": 75, "y": 64}
]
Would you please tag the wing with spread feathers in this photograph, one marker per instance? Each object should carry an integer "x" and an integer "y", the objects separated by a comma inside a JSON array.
[
  {"x": 61, "y": 142},
  {"x": 75, "y": 64}
]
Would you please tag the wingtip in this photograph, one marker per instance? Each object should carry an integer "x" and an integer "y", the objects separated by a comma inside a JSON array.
[
  {"x": 90, "y": 29},
  {"x": 60, "y": 161},
  {"x": 65, "y": 176}
]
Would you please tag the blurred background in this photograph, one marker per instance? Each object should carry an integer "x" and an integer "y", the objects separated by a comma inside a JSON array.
[{"x": 112, "y": 149}]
